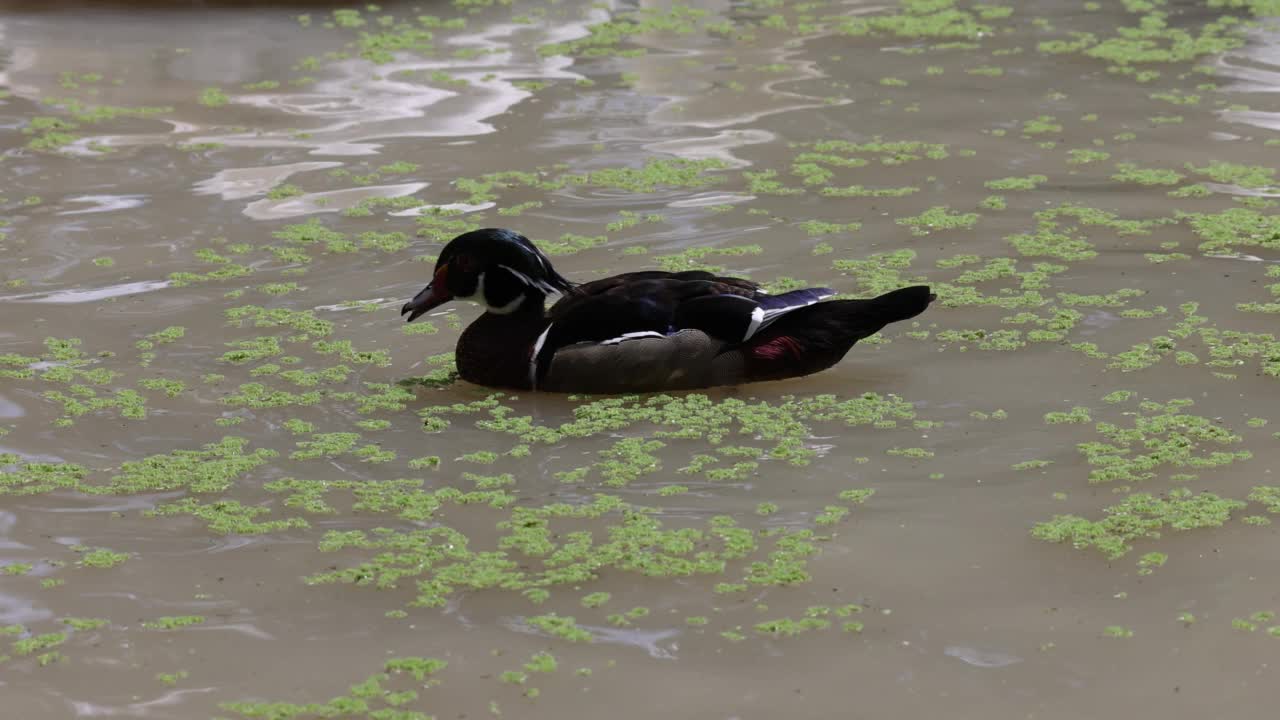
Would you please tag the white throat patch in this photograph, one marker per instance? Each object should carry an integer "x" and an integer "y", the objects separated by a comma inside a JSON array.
[{"x": 480, "y": 297}]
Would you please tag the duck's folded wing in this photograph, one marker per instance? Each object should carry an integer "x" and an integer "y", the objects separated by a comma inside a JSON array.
[
  {"x": 685, "y": 359},
  {"x": 644, "y": 305},
  {"x": 604, "y": 319},
  {"x": 655, "y": 305},
  {"x": 735, "y": 319}
]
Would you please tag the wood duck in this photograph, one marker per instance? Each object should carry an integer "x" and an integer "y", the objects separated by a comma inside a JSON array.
[{"x": 639, "y": 331}]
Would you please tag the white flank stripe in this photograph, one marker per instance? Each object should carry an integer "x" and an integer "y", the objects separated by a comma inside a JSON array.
[
  {"x": 757, "y": 317},
  {"x": 632, "y": 336},
  {"x": 533, "y": 359}
]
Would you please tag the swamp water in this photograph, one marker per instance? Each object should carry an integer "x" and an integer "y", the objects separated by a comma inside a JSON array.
[{"x": 236, "y": 485}]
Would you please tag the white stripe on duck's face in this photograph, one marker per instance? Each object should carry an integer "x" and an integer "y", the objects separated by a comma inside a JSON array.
[
  {"x": 498, "y": 300},
  {"x": 542, "y": 285},
  {"x": 502, "y": 290}
]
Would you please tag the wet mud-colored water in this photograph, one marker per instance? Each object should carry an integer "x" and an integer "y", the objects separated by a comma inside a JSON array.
[{"x": 235, "y": 485}]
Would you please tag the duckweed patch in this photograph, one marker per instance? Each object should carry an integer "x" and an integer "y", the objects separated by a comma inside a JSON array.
[
  {"x": 1130, "y": 173},
  {"x": 938, "y": 218},
  {"x": 607, "y": 37},
  {"x": 173, "y": 622},
  {"x": 85, "y": 623},
  {"x": 916, "y": 19},
  {"x": 1030, "y": 182},
  {"x": 100, "y": 557},
  {"x": 374, "y": 697},
  {"x": 1162, "y": 436},
  {"x": 538, "y": 548},
  {"x": 440, "y": 562},
  {"x": 1140, "y": 515}
]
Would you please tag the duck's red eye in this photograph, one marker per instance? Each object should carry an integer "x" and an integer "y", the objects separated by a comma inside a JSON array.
[{"x": 464, "y": 263}]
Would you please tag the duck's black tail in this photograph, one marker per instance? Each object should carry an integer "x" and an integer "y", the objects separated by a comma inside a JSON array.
[
  {"x": 888, "y": 308},
  {"x": 816, "y": 337}
]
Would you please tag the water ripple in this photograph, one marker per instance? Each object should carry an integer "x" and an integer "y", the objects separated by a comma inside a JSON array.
[
  {"x": 105, "y": 203},
  {"x": 88, "y": 295},
  {"x": 331, "y": 201},
  {"x": 238, "y": 183}
]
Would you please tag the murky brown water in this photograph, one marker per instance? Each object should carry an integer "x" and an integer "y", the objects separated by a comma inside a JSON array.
[{"x": 168, "y": 235}]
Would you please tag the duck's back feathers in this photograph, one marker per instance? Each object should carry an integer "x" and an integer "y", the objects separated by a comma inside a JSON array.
[{"x": 630, "y": 283}]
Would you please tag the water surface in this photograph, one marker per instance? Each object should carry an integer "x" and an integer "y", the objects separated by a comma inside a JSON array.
[{"x": 235, "y": 485}]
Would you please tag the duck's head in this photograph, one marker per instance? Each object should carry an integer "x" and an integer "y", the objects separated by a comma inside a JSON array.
[{"x": 497, "y": 268}]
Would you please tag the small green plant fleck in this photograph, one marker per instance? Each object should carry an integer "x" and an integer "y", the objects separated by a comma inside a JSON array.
[
  {"x": 171, "y": 679},
  {"x": 1150, "y": 561},
  {"x": 1243, "y": 625},
  {"x": 543, "y": 662},
  {"x": 938, "y": 218},
  {"x": 173, "y": 622},
  {"x": 213, "y": 97},
  {"x": 1031, "y": 182},
  {"x": 102, "y": 558},
  {"x": 85, "y": 623}
]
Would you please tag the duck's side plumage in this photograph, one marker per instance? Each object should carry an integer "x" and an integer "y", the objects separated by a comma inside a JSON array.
[
  {"x": 619, "y": 311},
  {"x": 641, "y": 331},
  {"x": 807, "y": 339}
]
